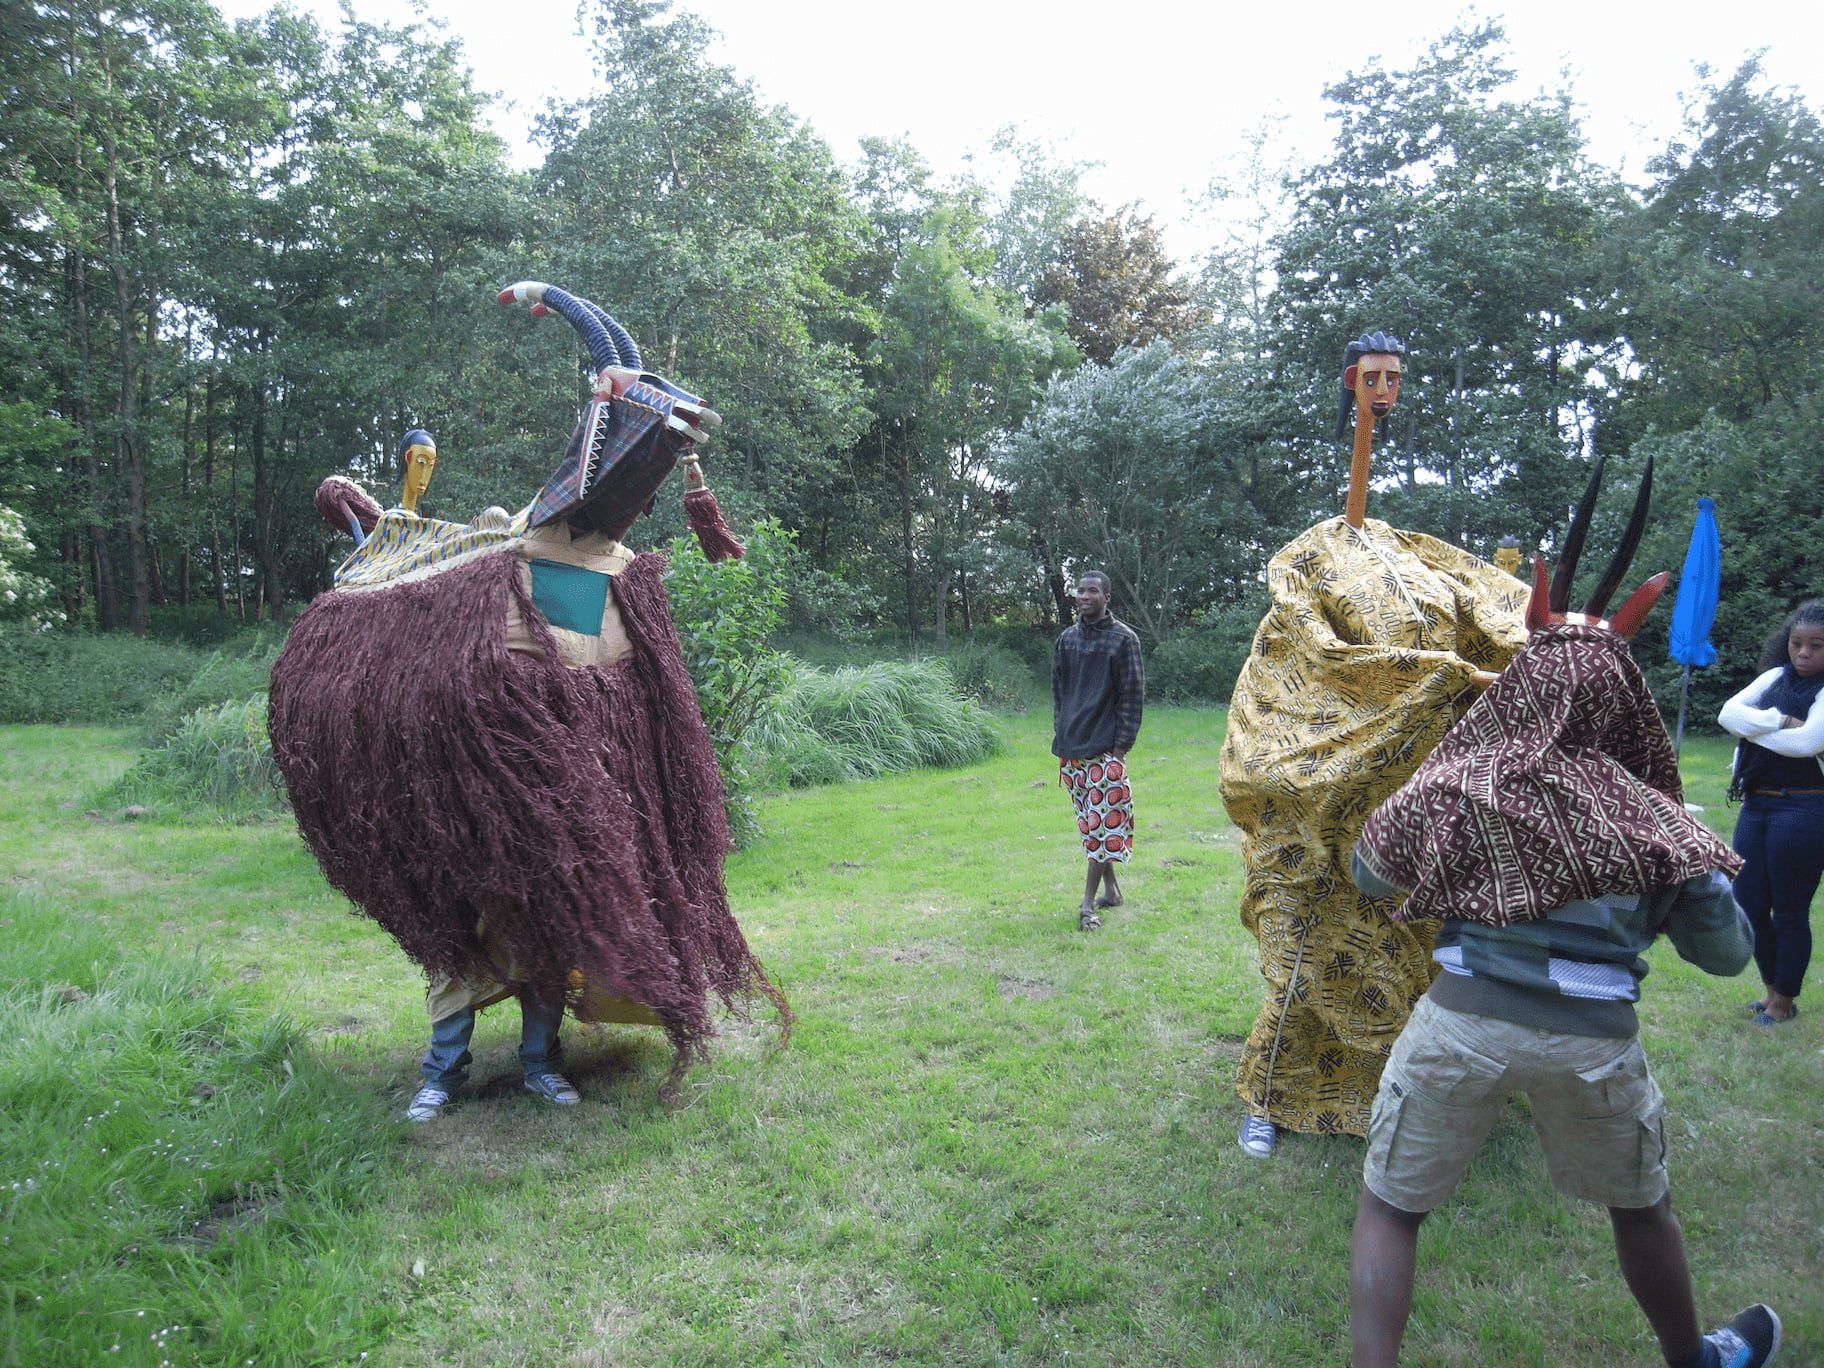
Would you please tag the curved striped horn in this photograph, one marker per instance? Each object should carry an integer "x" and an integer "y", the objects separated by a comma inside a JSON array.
[
  {"x": 623, "y": 340},
  {"x": 603, "y": 352}
]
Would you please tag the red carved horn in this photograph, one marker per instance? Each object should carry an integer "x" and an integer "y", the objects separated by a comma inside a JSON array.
[
  {"x": 1639, "y": 604},
  {"x": 1539, "y": 606}
]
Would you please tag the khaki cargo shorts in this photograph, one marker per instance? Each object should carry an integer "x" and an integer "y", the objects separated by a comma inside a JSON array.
[{"x": 1598, "y": 1113}]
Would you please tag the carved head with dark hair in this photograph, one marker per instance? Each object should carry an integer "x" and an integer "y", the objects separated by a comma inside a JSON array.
[
  {"x": 417, "y": 460},
  {"x": 1372, "y": 367}
]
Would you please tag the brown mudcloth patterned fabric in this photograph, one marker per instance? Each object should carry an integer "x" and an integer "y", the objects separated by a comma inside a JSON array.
[
  {"x": 444, "y": 782},
  {"x": 1559, "y": 784},
  {"x": 1362, "y": 663}
]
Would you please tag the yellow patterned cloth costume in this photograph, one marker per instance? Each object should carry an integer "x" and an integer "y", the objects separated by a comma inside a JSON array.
[
  {"x": 1364, "y": 660},
  {"x": 404, "y": 547}
]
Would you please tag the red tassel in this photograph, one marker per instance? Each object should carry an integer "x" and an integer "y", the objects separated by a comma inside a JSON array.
[{"x": 713, "y": 536}]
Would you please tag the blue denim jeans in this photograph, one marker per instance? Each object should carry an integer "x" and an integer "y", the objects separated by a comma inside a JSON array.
[
  {"x": 1781, "y": 836},
  {"x": 446, "y": 1063}
]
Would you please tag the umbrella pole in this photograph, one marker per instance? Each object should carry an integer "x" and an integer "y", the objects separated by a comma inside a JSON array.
[{"x": 1684, "y": 692}]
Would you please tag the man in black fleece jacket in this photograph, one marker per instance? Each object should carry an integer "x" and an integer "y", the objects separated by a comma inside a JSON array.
[{"x": 1098, "y": 691}]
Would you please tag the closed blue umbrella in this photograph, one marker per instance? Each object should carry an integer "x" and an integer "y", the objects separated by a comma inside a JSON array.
[{"x": 1694, "y": 610}]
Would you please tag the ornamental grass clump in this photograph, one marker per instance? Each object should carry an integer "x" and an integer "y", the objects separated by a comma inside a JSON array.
[
  {"x": 229, "y": 675},
  {"x": 858, "y": 722},
  {"x": 217, "y": 760}
]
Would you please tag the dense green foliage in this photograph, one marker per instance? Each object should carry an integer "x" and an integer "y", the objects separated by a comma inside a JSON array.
[
  {"x": 237, "y": 258},
  {"x": 87, "y": 678}
]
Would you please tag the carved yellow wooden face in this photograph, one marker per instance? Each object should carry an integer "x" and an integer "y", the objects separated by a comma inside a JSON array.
[
  {"x": 1375, "y": 378},
  {"x": 420, "y": 461}
]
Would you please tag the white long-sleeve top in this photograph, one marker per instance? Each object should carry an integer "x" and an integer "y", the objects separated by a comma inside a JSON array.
[{"x": 1767, "y": 726}]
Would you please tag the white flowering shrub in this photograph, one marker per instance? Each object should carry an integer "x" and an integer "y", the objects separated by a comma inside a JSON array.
[{"x": 24, "y": 599}]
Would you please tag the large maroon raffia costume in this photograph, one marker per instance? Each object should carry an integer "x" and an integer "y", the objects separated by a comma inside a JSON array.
[{"x": 511, "y": 818}]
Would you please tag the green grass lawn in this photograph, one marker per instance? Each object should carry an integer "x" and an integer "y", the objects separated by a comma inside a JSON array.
[{"x": 992, "y": 1140}]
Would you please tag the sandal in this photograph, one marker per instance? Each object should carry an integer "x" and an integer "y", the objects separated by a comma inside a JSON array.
[
  {"x": 1756, "y": 1008},
  {"x": 1109, "y": 902},
  {"x": 1088, "y": 921},
  {"x": 1766, "y": 1020}
]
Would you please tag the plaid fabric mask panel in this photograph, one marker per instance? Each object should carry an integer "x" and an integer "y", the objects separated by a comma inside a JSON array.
[{"x": 618, "y": 457}]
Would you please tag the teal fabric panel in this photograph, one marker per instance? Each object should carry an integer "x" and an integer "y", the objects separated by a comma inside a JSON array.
[{"x": 569, "y": 596}]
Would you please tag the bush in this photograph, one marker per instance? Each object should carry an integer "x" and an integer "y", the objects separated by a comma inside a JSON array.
[
  {"x": 1031, "y": 643},
  {"x": 26, "y": 600},
  {"x": 992, "y": 675},
  {"x": 54, "y": 677},
  {"x": 817, "y": 601},
  {"x": 863, "y": 721},
  {"x": 231, "y": 675},
  {"x": 1200, "y": 663},
  {"x": 219, "y": 758},
  {"x": 204, "y": 626},
  {"x": 724, "y": 614}
]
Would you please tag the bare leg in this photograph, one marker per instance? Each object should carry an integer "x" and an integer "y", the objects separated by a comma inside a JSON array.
[
  {"x": 1091, "y": 881},
  {"x": 1651, "y": 1248},
  {"x": 1383, "y": 1256},
  {"x": 1111, "y": 888},
  {"x": 1779, "y": 1005}
]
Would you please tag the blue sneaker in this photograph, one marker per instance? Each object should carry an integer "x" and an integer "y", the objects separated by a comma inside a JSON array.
[
  {"x": 1258, "y": 1137},
  {"x": 1748, "y": 1341},
  {"x": 554, "y": 1088}
]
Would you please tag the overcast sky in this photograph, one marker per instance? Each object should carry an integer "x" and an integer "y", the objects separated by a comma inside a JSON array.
[{"x": 1159, "y": 92}]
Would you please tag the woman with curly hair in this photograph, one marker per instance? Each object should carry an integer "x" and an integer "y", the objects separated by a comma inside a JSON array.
[{"x": 1779, "y": 779}]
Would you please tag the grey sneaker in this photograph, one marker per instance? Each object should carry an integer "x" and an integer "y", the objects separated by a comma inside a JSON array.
[
  {"x": 428, "y": 1104},
  {"x": 554, "y": 1088},
  {"x": 1748, "y": 1341}
]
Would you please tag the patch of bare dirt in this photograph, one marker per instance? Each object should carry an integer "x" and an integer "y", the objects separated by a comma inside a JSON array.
[
  {"x": 226, "y": 1219},
  {"x": 1033, "y": 990}
]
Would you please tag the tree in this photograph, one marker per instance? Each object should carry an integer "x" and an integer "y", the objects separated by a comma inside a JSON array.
[
  {"x": 1471, "y": 226},
  {"x": 113, "y": 115},
  {"x": 1162, "y": 472},
  {"x": 718, "y": 231},
  {"x": 1114, "y": 277},
  {"x": 1235, "y": 284},
  {"x": 953, "y": 371},
  {"x": 1029, "y": 224},
  {"x": 1727, "y": 301}
]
